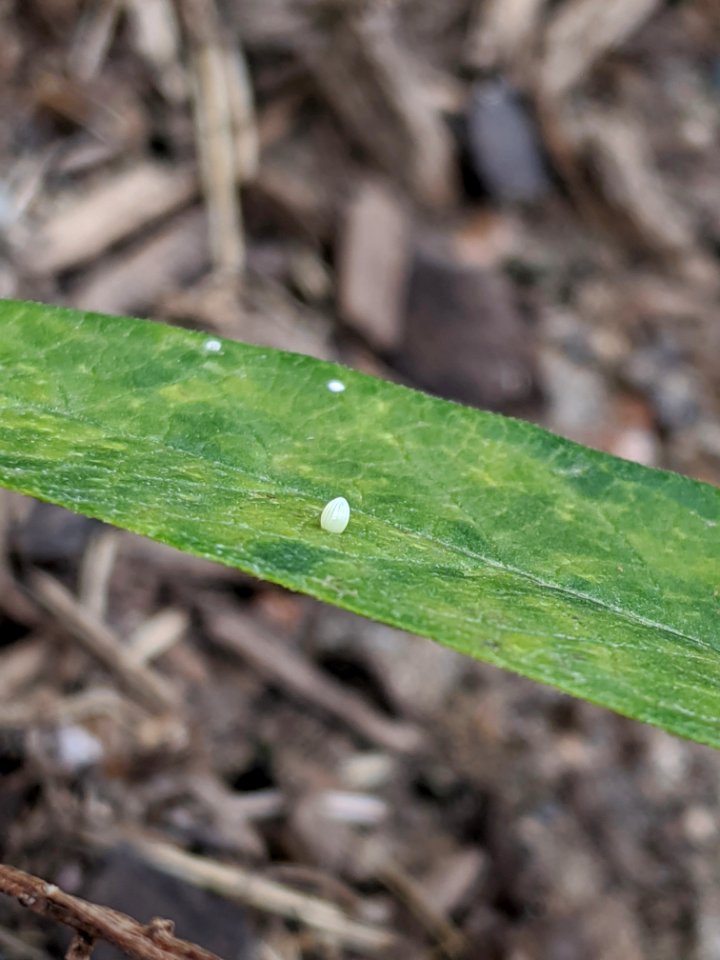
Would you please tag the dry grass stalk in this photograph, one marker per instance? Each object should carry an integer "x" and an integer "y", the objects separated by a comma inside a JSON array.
[
  {"x": 226, "y": 133},
  {"x": 47, "y": 708},
  {"x": 95, "y": 572},
  {"x": 263, "y": 894},
  {"x": 216, "y": 149}
]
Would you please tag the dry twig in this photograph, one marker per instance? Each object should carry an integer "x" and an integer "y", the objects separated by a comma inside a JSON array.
[
  {"x": 153, "y": 941},
  {"x": 98, "y": 640},
  {"x": 81, "y": 947},
  {"x": 288, "y": 668},
  {"x": 451, "y": 942}
]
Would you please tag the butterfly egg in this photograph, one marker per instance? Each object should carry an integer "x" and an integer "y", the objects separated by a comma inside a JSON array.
[{"x": 335, "y": 516}]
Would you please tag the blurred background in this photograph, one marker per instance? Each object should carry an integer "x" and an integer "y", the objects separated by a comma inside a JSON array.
[{"x": 511, "y": 203}]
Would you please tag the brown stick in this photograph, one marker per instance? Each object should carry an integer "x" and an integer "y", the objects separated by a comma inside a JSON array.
[
  {"x": 289, "y": 669},
  {"x": 96, "y": 638},
  {"x": 152, "y": 941}
]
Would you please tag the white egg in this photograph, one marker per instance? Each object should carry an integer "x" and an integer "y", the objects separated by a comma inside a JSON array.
[
  {"x": 336, "y": 515},
  {"x": 335, "y": 386}
]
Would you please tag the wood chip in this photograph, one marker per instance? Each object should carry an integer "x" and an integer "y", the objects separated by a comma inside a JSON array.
[
  {"x": 454, "y": 878},
  {"x": 464, "y": 336},
  {"x": 623, "y": 162},
  {"x": 157, "y": 635},
  {"x": 93, "y": 38},
  {"x": 90, "y": 222},
  {"x": 376, "y": 90},
  {"x": 155, "y": 33},
  {"x": 374, "y": 264},
  {"x": 20, "y": 665},
  {"x": 581, "y": 33},
  {"x": 503, "y": 34},
  {"x": 132, "y": 282}
]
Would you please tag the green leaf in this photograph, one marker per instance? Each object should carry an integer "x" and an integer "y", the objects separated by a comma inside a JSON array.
[{"x": 569, "y": 566}]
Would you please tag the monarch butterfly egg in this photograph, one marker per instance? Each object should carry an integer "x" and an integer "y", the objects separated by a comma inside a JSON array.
[{"x": 336, "y": 515}]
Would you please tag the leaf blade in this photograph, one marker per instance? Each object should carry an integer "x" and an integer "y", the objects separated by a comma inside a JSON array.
[{"x": 488, "y": 534}]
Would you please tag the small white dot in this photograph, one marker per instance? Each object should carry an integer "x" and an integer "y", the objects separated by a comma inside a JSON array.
[
  {"x": 335, "y": 386},
  {"x": 212, "y": 346}
]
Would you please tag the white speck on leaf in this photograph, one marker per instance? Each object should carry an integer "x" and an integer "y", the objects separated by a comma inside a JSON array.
[
  {"x": 212, "y": 346},
  {"x": 336, "y": 515},
  {"x": 336, "y": 386}
]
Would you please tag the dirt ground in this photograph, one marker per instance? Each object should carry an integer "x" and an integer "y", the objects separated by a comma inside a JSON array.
[{"x": 512, "y": 203}]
